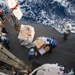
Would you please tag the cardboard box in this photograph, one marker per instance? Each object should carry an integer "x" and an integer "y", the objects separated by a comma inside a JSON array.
[
  {"x": 42, "y": 51},
  {"x": 39, "y": 43},
  {"x": 47, "y": 48},
  {"x": 41, "y": 46}
]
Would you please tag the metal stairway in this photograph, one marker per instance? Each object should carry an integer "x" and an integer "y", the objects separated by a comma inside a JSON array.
[{"x": 10, "y": 59}]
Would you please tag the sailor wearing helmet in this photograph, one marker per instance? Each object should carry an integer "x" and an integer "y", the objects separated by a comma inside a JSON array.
[
  {"x": 32, "y": 53},
  {"x": 67, "y": 30},
  {"x": 2, "y": 14}
]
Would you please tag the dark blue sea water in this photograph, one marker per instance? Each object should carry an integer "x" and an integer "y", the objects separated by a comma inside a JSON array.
[{"x": 45, "y": 10}]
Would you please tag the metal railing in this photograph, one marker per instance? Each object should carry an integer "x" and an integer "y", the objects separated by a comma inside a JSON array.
[{"x": 9, "y": 58}]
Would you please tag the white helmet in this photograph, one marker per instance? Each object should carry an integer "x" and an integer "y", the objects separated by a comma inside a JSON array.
[{"x": 31, "y": 50}]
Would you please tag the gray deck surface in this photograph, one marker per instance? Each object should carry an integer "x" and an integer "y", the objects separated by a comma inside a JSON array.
[{"x": 63, "y": 54}]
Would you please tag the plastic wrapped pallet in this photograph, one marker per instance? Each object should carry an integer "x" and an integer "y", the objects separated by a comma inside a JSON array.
[
  {"x": 51, "y": 69},
  {"x": 26, "y": 34}
]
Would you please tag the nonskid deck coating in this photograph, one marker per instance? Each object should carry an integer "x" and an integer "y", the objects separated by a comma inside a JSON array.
[{"x": 63, "y": 54}]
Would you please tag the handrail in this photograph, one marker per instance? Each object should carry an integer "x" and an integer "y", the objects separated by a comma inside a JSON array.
[{"x": 10, "y": 59}]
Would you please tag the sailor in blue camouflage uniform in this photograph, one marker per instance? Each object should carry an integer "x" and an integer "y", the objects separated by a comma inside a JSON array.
[
  {"x": 5, "y": 41},
  {"x": 32, "y": 54}
]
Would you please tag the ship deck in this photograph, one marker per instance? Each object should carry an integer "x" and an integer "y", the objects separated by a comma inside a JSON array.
[{"x": 63, "y": 54}]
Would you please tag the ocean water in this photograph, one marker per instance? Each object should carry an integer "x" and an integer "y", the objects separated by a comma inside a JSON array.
[{"x": 48, "y": 12}]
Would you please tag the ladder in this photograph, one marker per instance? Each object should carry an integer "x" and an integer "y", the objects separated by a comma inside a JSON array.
[{"x": 8, "y": 58}]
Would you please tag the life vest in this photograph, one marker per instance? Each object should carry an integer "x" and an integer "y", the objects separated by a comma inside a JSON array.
[{"x": 1, "y": 11}]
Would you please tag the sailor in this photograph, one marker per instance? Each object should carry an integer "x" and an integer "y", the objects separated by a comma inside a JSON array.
[
  {"x": 32, "y": 53},
  {"x": 17, "y": 26},
  {"x": 0, "y": 28},
  {"x": 5, "y": 41},
  {"x": 67, "y": 30},
  {"x": 3, "y": 30},
  {"x": 2, "y": 14},
  {"x": 52, "y": 43}
]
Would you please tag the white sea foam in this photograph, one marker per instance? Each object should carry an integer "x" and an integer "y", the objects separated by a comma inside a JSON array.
[{"x": 49, "y": 20}]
